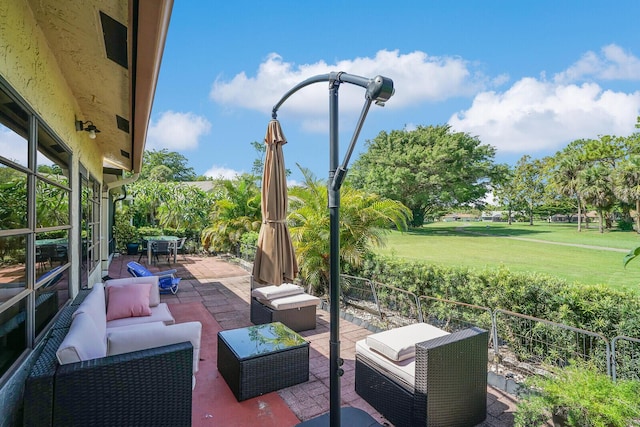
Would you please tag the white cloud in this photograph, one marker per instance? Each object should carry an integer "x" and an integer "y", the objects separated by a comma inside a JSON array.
[
  {"x": 613, "y": 63},
  {"x": 177, "y": 131},
  {"x": 13, "y": 146},
  {"x": 221, "y": 172},
  {"x": 430, "y": 79},
  {"x": 536, "y": 115}
]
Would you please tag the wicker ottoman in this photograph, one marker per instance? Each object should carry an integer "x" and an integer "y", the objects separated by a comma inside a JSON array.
[
  {"x": 261, "y": 359},
  {"x": 299, "y": 318}
]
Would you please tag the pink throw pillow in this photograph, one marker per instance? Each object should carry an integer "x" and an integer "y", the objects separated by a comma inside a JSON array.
[{"x": 128, "y": 301}]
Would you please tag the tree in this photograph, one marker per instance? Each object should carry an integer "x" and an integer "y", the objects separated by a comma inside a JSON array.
[
  {"x": 161, "y": 173},
  {"x": 528, "y": 184},
  {"x": 626, "y": 178},
  {"x": 429, "y": 169},
  {"x": 364, "y": 219},
  {"x": 176, "y": 162},
  {"x": 236, "y": 212},
  {"x": 186, "y": 208},
  {"x": 597, "y": 189},
  {"x": 506, "y": 192},
  {"x": 564, "y": 178}
]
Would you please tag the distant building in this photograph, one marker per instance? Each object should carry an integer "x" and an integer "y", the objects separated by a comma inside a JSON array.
[{"x": 463, "y": 217}]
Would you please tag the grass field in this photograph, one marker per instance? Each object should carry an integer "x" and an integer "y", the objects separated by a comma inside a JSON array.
[{"x": 588, "y": 257}]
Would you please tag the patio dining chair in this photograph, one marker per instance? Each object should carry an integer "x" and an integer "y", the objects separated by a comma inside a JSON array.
[
  {"x": 167, "y": 281},
  {"x": 163, "y": 248},
  {"x": 180, "y": 248},
  {"x": 143, "y": 248}
]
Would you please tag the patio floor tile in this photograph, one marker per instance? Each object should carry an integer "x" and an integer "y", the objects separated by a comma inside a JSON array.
[{"x": 223, "y": 288}]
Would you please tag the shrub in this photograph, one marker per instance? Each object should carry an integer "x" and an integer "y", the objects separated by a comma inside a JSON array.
[
  {"x": 580, "y": 395},
  {"x": 596, "y": 308}
]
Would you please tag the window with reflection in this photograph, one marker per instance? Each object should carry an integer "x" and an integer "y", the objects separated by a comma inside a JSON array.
[
  {"x": 90, "y": 214},
  {"x": 14, "y": 228},
  {"x": 35, "y": 227},
  {"x": 13, "y": 334}
]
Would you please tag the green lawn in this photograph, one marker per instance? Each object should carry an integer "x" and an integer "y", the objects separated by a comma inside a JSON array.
[{"x": 544, "y": 248}]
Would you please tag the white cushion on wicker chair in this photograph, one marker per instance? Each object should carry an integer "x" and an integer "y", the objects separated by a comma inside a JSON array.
[
  {"x": 399, "y": 344},
  {"x": 293, "y": 301},
  {"x": 267, "y": 293},
  {"x": 404, "y": 371}
]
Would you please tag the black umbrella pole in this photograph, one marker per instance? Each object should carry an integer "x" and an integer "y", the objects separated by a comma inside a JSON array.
[
  {"x": 334, "y": 261},
  {"x": 334, "y": 339}
]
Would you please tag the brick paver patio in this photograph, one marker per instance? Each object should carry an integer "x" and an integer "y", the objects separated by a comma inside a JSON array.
[{"x": 224, "y": 289}]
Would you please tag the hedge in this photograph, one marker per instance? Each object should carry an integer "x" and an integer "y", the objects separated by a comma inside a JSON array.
[{"x": 596, "y": 308}]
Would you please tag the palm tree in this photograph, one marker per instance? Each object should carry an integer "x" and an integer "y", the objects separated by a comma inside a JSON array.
[
  {"x": 232, "y": 215},
  {"x": 566, "y": 181},
  {"x": 627, "y": 179},
  {"x": 364, "y": 220},
  {"x": 597, "y": 189}
]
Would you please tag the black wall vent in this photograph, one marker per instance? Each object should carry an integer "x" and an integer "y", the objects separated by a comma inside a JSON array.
[
  {"x": 115, "y": 40},
  {"x": 123, "y": 124}
]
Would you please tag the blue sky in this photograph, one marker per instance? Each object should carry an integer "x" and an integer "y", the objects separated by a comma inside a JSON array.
[{"x": 527, "y": 77}]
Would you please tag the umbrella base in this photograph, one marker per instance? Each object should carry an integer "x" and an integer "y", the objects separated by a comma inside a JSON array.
[{"x": 348, "y": 417}]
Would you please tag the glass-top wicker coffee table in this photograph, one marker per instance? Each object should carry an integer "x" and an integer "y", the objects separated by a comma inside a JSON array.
[{"x": 261, "y": 359}]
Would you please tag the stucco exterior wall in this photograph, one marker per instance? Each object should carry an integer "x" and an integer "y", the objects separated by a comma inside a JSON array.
[{"x": 30, "y": 68}]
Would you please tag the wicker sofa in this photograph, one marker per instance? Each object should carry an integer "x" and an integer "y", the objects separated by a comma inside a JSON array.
[
  {"x": 145, "y": 378},
  {"x": 441, "y": 381}
]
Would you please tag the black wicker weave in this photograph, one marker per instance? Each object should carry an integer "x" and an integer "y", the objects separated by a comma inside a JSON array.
[
  {"x": 298, "y": 319},
  {"x": 450, "y": 383},
  {"x": 264, "y": 373},
  {"x": 143, "y": 388},
  {"x": 81, "y": 296}
]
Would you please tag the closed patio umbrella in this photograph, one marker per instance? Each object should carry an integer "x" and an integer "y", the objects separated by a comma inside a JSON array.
[{"x": 275, "y": 261}]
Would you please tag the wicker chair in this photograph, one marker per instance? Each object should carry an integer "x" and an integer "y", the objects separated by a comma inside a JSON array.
[{"x": 450, "y": 383}]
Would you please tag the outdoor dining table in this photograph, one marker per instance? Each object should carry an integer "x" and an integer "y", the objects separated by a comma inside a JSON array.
[{"x": 173, "y": 245}]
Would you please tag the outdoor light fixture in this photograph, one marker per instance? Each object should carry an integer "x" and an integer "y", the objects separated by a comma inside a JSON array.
[{"x": 87, "y": 126}]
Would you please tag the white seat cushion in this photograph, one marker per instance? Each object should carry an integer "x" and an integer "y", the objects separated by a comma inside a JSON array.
[
  {"x": 267, "y": 293},
  {"x": 293, "y": 301},
  {"x": 155, "y": 334},
  {"x": 159, "y": 313},
  {"x": 399, "y": 344},
  {"x": 404, "y": 370}
]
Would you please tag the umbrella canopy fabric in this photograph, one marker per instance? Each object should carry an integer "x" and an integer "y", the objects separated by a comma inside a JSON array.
[{"x": 275, "y": 262}]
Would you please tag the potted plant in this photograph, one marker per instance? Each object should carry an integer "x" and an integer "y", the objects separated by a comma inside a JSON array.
[
  {"x": 126, "y": 235},
  {"x": 579, "y": 395}
]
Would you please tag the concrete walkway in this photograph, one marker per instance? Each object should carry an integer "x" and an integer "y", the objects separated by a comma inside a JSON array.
[{"x": 224, "y": 289}]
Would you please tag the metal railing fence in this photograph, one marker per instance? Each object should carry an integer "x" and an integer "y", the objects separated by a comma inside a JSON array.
[
  {"x": 522, "y": 345},
  {"x": 625, "y": 358}
]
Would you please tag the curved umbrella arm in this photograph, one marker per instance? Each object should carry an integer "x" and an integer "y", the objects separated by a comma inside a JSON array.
[{"x": 379, "y": 88}]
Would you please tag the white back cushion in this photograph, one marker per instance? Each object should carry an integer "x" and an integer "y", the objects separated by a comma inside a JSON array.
[
  {"x": 400, "y": 343},
  {"x": 83, "y": 341},
  {"x": 267, "y": 293},
  {"x": 404, "y": 370},
  {"x": 94, "y": 305}
]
